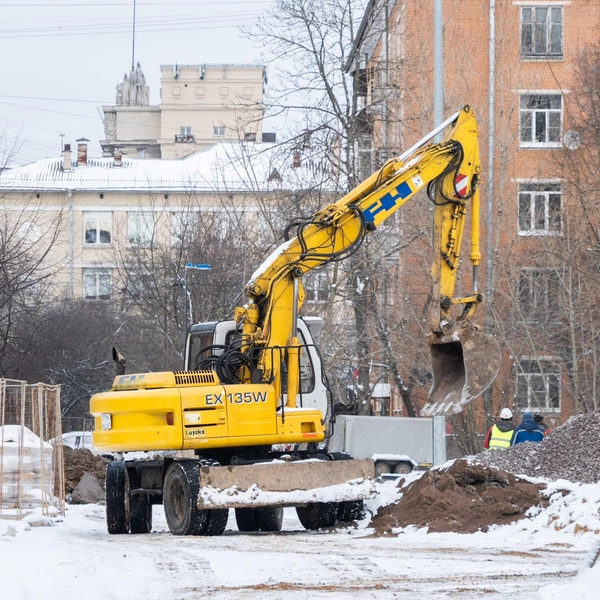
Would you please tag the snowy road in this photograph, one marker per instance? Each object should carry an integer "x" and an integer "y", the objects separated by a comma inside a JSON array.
[{"x": 77, "y": 558}]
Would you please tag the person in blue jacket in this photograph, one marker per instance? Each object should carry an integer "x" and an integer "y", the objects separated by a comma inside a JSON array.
[{"x": 528, "y": 431}]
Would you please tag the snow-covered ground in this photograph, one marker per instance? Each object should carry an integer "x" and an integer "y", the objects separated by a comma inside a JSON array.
[{"x": 74, "y": 557}]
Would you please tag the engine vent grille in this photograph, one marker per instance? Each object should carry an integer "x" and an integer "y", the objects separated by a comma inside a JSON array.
[{"x": 196, "y": 378}]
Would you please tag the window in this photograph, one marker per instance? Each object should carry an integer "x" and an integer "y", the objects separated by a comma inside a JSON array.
[
  {"x": 140, "y": 228},
  {"x": 97, "y": 227},
  {"x": 184, "y": 227},
  {"x": 140, "y": 285},
  {"x": 219, "y": 131},
  {"x": 538, "y": 385},
  {"x": 541, "y": 119},
  {"x": 316, "y": 287},
  {"x": 538, "y": 294},
  {"x": 185, "y": 135},
  {"x": 29, "y": 232},
  {"x": 542, "y": 32},
  {"x": 97, "y": 284},
  {"x": 539, "y": 209}
]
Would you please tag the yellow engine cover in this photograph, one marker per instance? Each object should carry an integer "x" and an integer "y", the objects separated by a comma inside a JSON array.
[{"x": 188, "y": 414}]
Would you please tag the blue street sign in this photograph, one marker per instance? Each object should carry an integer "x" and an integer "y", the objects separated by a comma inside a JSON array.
[{"x": 201, "y": 267}]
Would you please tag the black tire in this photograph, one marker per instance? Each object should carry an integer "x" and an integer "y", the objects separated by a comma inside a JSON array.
[
  {"x": 216, "y": 521},
  {"x": 246, "y": 519},
  {"x": 269, "y": 518},
  {"x": 140, "y": 513},
  {"x": 318, "y": 515},
  {"x": 117, "y": 498},
  {"x": 180, "y": 493},
  {"x": 403, "y": 468},
  {"x": 351, "y": 510},
  {"x": 266, "y": 518}
]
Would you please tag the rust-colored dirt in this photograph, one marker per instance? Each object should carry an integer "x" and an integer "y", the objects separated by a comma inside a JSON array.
[
  {"x": 78, "y": 462},
  {"x": 465, "y": 498}
]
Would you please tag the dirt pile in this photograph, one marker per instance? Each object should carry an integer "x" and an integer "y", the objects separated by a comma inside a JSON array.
[
  {"x": 79, "y": 462},
  {"x": 466, "y": 497},
  {"x": 570, "y": 452}
]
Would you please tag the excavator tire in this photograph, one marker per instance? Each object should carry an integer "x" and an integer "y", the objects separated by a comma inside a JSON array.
[
  {"x": 180, "y": 492},
  {"x": 246, "y": 519},
  {"x": 352, "y": 510},
  {"x": 217, "y": 521},
  {"x": 268, "y": 518},
  {"x": 318, "y": 515},
  {"x": 140, "y": 513},
  {"x": 117, "y": 498}
]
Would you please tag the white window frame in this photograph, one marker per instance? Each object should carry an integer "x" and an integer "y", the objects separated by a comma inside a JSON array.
[
  {"x": 537, "y": 294},
  {"x": 316, "y": 287},
  {"x": 185, "y": 131},
  {"x": 546, "y": 373},
  {"x": 537, "y": 117},
  {"x": 98, "y": 216},
  {"x": 139, "y": 285},
  {"x": 183, "y": 226},
  {"x": 101, "y": 276},
  {"x": 541, "y": 197},
  {"x": 218, "y": 130},
  {"x": 548, "y": 27},
  {"x": 141, "y": 228}
]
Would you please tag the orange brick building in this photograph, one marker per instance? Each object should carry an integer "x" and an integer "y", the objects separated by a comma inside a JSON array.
[{"x": 518, "y": 63}]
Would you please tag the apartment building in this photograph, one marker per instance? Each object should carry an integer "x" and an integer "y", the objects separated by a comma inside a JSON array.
[
  {"x": 93, "y": 217},
  {"x": 200, "y": 106},
  {"x": 516, "y": 62}
]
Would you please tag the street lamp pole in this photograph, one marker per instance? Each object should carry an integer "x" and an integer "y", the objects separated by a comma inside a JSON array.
[{"x": 187, "y": 300}]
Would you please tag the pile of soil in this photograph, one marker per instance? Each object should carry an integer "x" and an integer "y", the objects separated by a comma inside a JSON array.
[
  {"x": 464, "y": 498},
  {"x": 570, "y": 452},
  {"x": 78, "y": 462}
]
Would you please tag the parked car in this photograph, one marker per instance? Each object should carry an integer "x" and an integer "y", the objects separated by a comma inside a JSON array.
[{"x": 78, "y": 440}]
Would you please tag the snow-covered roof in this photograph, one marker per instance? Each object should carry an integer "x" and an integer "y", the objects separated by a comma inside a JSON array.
[{"x": 227, "y": 166}]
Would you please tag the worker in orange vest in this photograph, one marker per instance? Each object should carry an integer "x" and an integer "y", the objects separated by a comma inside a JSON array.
[{"x": 500, "y": 434}]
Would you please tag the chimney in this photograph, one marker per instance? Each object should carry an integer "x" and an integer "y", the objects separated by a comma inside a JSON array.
[
  {"x": 82, "y": 152},
  {"x": 67, "y": 164},
  {"x": 296, "y": 160}
]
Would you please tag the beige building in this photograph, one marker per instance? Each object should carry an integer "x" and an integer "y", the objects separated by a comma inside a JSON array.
[
  {"x": 200, "y": 106},
  {"x": 93, "y": 217}
]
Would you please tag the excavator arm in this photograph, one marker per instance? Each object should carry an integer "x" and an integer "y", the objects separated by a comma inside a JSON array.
[{"x": 450, "y": 172}]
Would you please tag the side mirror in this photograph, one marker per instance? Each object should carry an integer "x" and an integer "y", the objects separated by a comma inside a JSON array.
[{"x": 119, "y": 360}]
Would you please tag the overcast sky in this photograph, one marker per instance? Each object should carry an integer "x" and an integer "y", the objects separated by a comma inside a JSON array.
[{"x": 62, "y": 59}]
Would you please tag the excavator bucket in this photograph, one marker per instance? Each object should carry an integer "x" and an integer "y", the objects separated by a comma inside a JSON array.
[{"x": 465, "y": 362}]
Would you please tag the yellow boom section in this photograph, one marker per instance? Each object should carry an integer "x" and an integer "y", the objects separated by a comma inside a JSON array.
[{"x": 454, "y": 166}]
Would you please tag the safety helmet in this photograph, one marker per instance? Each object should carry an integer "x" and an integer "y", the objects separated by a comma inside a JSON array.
[{"x": 506, "y": 414}]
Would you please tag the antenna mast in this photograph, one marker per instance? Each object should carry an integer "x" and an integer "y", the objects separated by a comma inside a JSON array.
[{"x": 133, "y": 41}]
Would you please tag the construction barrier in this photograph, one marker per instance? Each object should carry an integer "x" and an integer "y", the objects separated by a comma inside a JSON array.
[{"x": 31, "y": 456}]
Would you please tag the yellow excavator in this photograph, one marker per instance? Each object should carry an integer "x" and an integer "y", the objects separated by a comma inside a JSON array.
[{"x": 252, "y": 406}]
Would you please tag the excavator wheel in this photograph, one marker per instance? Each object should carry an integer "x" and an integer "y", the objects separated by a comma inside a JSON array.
[
  {"x": 117, "y": 498},
  {"x": 268, "y": 518},
  {"x": 352, "y": 510},
  {"x": 216, "y": 521},
  {"x": 318, "y": 515},
  {"x": 140, "y": 513},
  {"x": 180, "y": 492}
]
